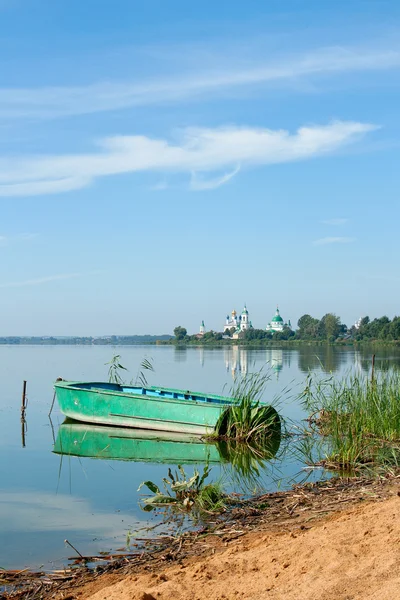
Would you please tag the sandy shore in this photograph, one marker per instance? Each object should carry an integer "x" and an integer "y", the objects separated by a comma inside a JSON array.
[
  {"x": 351, "y": 555},
  {"x": 326, "y": 543}
]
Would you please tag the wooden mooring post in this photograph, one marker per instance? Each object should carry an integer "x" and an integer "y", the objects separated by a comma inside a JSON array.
[{"x": 23, "y": 405}]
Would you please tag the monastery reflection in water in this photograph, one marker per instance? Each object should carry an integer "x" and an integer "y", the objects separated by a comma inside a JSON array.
[
  {"x": 239, "y": 360},
  {"x": 328, "y": 359}
]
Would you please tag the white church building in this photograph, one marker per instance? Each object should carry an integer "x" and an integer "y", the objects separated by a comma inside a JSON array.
[
  {"x": 241, "y": 323},
  {"x": 277, "y": 324},
  {"x": 238, "y": 322}
]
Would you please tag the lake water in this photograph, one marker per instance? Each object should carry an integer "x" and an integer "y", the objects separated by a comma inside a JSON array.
[{"x": 46, "y": 498}]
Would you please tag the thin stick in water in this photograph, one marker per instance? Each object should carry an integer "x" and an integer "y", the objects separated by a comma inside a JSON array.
[
  {"x": 52, "y": 404},
  {"x": 73, "y": 548},
  {"x": 54, "y": 396}
]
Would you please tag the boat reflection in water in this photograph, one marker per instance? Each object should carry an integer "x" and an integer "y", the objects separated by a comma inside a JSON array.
[{"x": 141, "y": 445}]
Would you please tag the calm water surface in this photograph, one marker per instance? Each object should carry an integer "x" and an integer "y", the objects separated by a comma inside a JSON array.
[{"x": 45, "y": 498}]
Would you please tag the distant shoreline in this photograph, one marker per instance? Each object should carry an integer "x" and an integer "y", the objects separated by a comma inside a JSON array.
[
  {"x": 166, "y": 340},
  {"x": 129, "y": 340}
]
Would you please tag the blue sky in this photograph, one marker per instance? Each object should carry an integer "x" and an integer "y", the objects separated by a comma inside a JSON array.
[{"x": 163, "y": 163}]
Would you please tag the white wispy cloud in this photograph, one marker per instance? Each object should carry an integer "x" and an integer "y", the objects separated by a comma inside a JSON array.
[
  {"x": 333, "y": 240},
  {"x": 199, "y": 150},
  {"x": 48, "y": 186},
  {"x": 6, "y": 240},
  {"x": 198, "y": 182},
  {"x": 40, "y": 280},
  {"x": 335, "y": 221},
  {"x": 51, "y": 102}
]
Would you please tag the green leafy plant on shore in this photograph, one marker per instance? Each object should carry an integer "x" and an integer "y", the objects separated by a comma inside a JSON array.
[
  {"x": 358, "y": 418},
  {"x": 186, "y": 493},
  {"x": 247, "y": 419}
]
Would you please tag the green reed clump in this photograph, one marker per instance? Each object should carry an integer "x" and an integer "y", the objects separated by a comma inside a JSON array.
[
  {"x": 359, "y": 417},
  {"x": 247, "y": 419}
]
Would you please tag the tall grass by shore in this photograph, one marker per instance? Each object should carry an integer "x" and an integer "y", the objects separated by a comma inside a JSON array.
[{"x": 359, "y": 417}]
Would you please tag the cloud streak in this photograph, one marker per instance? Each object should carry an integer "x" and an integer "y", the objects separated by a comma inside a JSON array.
[
  {"x": 199, "y": 183},
  {"x": 198, "y": 150},
  {"x": 40, "y": 280},
  {"x": 6, "y": 240},
  {"x": 52, "y": 102},
  {"x": 333, "y": 240}
]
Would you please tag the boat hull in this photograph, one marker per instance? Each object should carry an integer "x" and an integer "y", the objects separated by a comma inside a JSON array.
[{"x": 158, "y": 409}]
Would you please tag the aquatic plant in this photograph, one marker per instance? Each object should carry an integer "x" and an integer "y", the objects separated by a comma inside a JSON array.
[
  {"x": 114, "y": 369},
  {"x": 359, "y": 419},
  {"x": 145, "y": 365},
  {"x": 186, "y": 493},
  {"x": 247, "y": 418}
]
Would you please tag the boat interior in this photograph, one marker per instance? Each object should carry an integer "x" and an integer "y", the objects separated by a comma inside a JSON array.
[{"x": 154, "y": 392}]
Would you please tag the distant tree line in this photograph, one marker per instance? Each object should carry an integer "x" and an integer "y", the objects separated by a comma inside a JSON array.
[
  {"x": 182, "y": 337},
  {"x": 329, "y": 329},
  {"x": 378, "y": 329},
  {"x": 112, "y": 340}
]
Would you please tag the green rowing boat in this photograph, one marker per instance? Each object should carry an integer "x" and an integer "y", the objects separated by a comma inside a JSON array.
[{"x": 162, "y": 409}]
